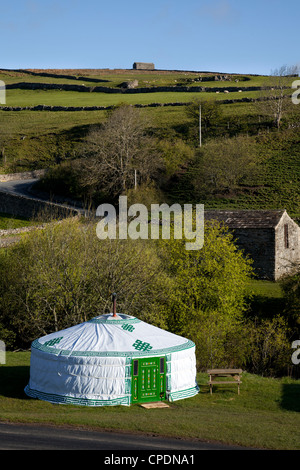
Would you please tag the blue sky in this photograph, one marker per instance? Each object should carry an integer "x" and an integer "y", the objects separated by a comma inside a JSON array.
[{"x": 239, "y": 36}]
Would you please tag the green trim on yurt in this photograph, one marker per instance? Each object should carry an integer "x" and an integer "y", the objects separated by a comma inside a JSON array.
[
  {"x": 64, "y": 399},
  {"x": 113, "y": 321},
  {"x": 153, "y": 352},
  {"x": 188, "y": 393},
  {"x": 168, "y": 371}
]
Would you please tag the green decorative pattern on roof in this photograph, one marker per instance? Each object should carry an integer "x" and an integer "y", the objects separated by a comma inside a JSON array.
[
  {"x": 153, "y": 352},
  {"x": 111, "y": 321}
]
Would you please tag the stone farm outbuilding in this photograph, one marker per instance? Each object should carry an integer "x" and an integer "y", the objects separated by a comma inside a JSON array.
[
  {"x": 143, "y": 66},
  {"x": 270, "y": 237}
]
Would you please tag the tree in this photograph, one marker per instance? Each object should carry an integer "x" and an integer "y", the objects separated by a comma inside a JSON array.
[
  {"x": 209, "y": 294},
  {"x": 291, "y": 289},
  {"x": 119, "y": 154},
  {"x": 269, "y": 348},
  {"x": 224, "y": 163},
  {"x": 276, "y": 94},
  {"x": 64, "y": 275},
  {"x": 211, "y": 112},
  {"x": 211, "y": 115},
  {"x": 175, "y": 154}
]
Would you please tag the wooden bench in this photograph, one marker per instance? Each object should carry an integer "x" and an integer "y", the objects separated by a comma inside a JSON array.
[{"x": 214, "y": 374}]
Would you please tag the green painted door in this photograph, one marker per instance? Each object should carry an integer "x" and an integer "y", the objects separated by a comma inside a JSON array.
[{"x": 148, "y": 379}]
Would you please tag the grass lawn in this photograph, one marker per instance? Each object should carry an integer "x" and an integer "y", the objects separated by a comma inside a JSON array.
[
  {"x": 265, "y": 414},
  {"x": 269, "y": 289}
]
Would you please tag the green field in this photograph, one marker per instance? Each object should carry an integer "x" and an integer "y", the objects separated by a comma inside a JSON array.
[
  {"x": 265, "y": 415},
  {"x": 114, "y": 77},
  {"x": 39, "y": 139},
  {"x": 25, "y": 98}
]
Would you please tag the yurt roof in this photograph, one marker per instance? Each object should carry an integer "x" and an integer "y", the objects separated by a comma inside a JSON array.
[{"x": 109, "y": 335}]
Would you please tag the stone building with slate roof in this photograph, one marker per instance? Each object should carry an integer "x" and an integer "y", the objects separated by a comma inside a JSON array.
[
  {"x": 270, "y": 237},
  {"x": 143, "y": 66}
]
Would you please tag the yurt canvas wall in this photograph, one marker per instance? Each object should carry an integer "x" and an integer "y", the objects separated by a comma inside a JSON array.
[{"x": 112, "y": 361}]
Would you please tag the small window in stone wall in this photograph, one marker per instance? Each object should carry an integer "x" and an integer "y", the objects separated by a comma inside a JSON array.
[{"x": 286, "y": 236}]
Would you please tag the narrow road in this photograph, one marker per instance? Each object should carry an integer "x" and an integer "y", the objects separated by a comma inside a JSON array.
[
  {"x": 24, "y": 188},
  {"x": 40, "y": 437},
  {"x": 19, "y": 187}
]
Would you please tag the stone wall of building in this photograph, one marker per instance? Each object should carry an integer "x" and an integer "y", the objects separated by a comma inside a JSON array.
[
  {"x": 143, "y": 66},
  {"x": 287, "y": 254},
  {"x": 259, "y": 244}
]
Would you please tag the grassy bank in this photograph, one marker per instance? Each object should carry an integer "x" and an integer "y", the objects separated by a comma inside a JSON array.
[
  {"x": 8, "y": 222},
  {"x": 265, "y": 414}
]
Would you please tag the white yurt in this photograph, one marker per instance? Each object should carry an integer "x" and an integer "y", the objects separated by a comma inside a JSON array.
[{"x": 112, "y": 359}]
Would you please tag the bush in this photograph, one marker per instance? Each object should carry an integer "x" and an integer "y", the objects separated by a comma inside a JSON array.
[
  {"x": 269, "y": 348},
  {"x": 8, "y": 337},
  {"x": 65, "y": 275},
  {"x": 62, "y": 180},
  {"x": 223, "y": 164},
  {"x": 291, "y": 289}
]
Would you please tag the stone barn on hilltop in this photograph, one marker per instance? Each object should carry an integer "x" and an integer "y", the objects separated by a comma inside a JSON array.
[
  {"x": 143, "y": 66},
  {"x": 270, "y": 237}
]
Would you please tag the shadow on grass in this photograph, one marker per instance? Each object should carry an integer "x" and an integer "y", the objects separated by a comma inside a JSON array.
[
  {"x": 290, "y": 398},
  {"x": 266, "y": 307},
  {"x": 13, "y": 380}
]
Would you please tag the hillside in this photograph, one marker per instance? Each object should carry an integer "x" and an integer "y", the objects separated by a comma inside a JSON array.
[{"x": 48, "y": 112}]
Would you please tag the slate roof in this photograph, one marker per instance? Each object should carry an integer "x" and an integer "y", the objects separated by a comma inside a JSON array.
[{"x": 245, "y": 218}]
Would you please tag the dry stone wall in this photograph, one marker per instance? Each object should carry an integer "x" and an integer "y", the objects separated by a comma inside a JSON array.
[
  {"x": 42, "y": 107},
  {"x": 259, "y": 244},
  {"x": 105, "y": 89},
  {"x": 31, "y": 208}
]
